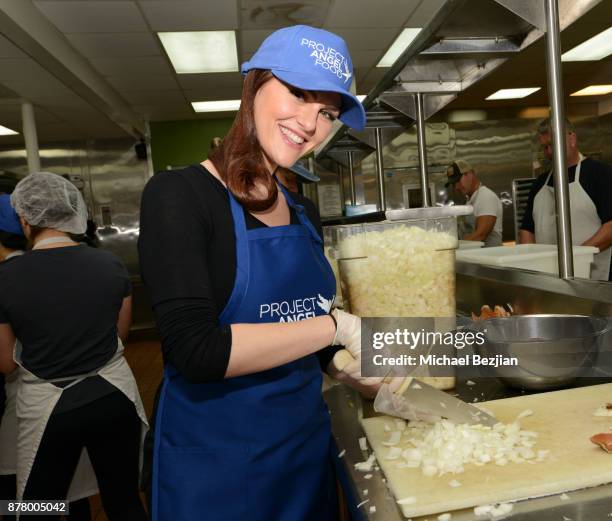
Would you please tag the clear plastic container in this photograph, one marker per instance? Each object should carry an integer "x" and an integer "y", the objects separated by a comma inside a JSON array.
[
  {"x": 401, "y": 268},
  {"x": 330, "y": 248}
]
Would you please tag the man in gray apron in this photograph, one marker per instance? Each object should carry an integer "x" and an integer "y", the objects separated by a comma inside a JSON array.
[
  {"x": 590, "y": 186},
  {"x": 485, "y": 224}
]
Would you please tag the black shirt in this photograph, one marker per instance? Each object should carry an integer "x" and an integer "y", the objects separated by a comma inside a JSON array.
[
  {"x": 595, "y": 178},
  {"x": 63, "y": 305},
  {"x": 187, "y": 254}
]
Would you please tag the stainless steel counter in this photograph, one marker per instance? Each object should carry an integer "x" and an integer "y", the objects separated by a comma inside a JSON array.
[
  {"x": 347, "y": 409},
  {"x": 529, "y": 292}
]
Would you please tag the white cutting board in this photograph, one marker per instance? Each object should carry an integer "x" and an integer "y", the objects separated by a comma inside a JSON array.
[{"x": 564, "y": 421}]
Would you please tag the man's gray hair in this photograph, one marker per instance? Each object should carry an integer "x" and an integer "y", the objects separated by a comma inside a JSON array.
[{"x": 544, "y": 126}]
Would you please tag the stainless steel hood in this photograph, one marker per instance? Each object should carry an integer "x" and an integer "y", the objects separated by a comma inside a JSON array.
[{"x": 465, "y": 41}]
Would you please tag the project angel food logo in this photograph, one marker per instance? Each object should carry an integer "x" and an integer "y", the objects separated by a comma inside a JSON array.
[
  {"x": 295, "y": 310},
  {"x": 328, "y": 58}
]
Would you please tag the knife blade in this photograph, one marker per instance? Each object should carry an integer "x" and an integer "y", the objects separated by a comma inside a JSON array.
[{"x": 424, "y": 399}]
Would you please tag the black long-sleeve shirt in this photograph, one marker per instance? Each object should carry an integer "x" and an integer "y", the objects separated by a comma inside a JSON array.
[{"x": 187, "y": 254}]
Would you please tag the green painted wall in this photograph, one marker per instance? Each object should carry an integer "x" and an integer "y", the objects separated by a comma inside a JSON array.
[{"x": 180, "y": 143}]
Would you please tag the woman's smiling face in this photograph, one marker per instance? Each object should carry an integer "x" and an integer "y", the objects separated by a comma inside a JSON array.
[{"x": 291, "y": 122}]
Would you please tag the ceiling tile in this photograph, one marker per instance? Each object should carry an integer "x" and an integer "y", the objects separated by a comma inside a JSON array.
[
  {"x": 251, "y": 39},
  {"x": 120, "y": 45},
  {"x": 133, "y": 82},
  {"x": 213, "y": 93},
  {"x": 24, "y": 69},
  {"x": 6, "y": 92},
  {"x": 197, "y": 81},
  {"x": 165, "y": 112},
  {"x": 35, "y": 90},
  {"x": 162, "y": 97},
  {"x": 424, "y": 13},
  {"x": 191, "y": 15},
  {"x": 141, "y": 65},
  {"x": 269, "y": 14},
  {"x": 363, "y": 39},
  {"x": 93, "y": 16},
  {"x": 366, "y": 13},
  {"x": 366, "y": 59}
]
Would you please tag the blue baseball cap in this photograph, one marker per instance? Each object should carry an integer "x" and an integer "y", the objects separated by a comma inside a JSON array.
[
  {"x": 9, "y": 221},
  {"x": 304, "y": 173},
  {"x": 311, "y": 59}
]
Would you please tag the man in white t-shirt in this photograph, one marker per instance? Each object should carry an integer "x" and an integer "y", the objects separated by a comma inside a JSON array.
[{"x": 486, "y": 222}]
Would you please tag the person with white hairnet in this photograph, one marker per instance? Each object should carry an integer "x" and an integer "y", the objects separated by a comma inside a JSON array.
[{"x": 63, "y": 324}]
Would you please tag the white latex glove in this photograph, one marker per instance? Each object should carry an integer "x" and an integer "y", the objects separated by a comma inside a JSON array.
[
  {"x": 348, "y": 332},
  {"x": 347, "y": 370}
]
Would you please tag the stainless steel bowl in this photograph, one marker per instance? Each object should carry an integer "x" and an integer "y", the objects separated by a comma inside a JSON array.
[{"x": 552, "y": 350}]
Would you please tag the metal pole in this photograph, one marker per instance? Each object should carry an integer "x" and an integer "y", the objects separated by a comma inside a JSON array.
[
  {"x": 342, "y": 197},
  {"x": 312, "y": 191},
  {"x": 555, "y": 89},
  {"x": 30, "y": 137},
  {"x": 422, "y": 144},
  {"x": 380, "y": 171},
  {"x": 351, "y": 178}
]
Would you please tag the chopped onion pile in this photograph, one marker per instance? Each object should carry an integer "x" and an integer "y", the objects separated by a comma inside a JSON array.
[
  {"x": 400, "y": 262},
  {"x": 494, "y": 510},
  {"x": 445, "y": 447}
]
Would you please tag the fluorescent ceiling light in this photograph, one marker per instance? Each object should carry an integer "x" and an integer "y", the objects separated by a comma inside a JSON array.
[
  {"x": 216, "y": 106},
  {"x": 400, "y": 44},
  {"x": 513, "y": 93},
  {"x": 201, "y": 51},
  {"x": 594, "y": 90},
  {"x": 593, "y": 49},
  {"x": 7, "y": 131}
]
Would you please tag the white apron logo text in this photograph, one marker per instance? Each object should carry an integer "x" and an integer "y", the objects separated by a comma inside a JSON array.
[
  {"x": 328, "y": 58},
  {"x": 294, "y": 310}
]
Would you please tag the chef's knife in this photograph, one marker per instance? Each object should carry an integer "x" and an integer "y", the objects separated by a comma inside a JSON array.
[{"x": 419, "y": 399}]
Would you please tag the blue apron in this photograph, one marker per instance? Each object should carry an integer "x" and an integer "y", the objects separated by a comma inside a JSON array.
[{"x": 254, "y": 447}]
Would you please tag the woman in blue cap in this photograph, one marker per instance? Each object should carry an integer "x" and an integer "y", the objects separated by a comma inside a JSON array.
[{"x": 242, "y": 293}]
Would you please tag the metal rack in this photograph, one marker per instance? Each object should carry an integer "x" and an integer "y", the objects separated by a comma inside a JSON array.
[
  {"x": 456, "y": 50},
  {"x": 520, "y": 194}
]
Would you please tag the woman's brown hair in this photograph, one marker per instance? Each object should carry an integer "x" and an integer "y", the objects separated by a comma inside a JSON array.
[{"x": 240, "y": 159}]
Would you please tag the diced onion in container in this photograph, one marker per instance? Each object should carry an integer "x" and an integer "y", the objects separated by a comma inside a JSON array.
[
  {"x": 396, "y": 269},
  {"x": 399, "y": 261}
]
